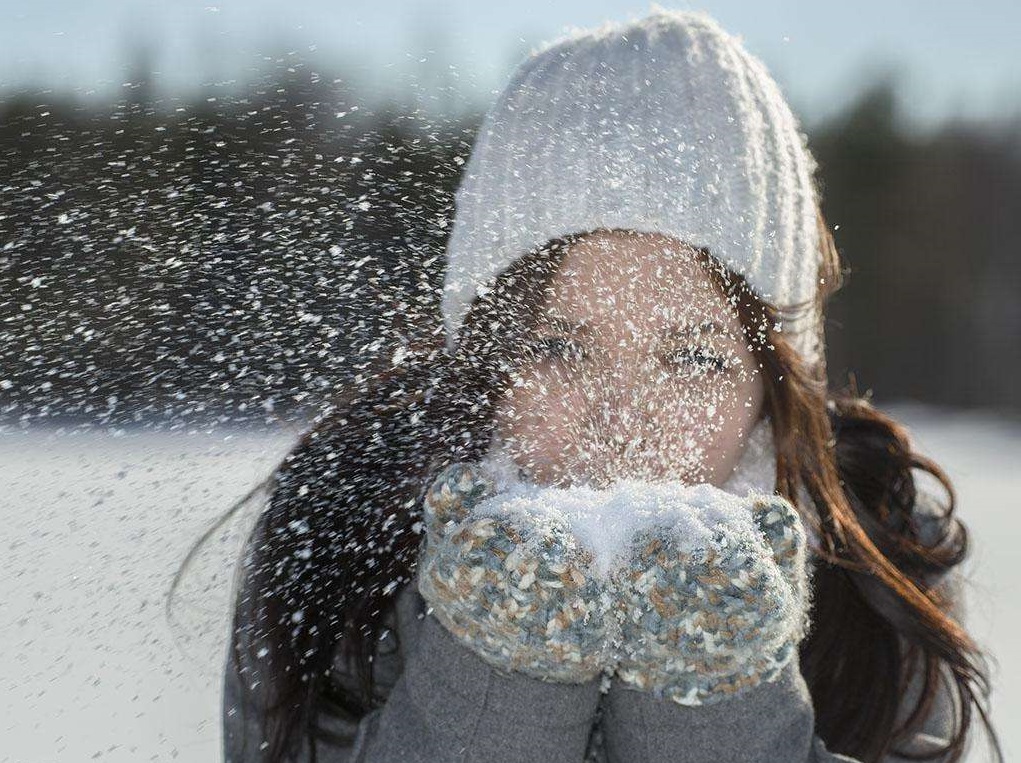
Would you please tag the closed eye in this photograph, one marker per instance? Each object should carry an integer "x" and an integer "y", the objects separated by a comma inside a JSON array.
[
  {"x": 566, "y": 349},
  {"x": 698, "y": 356}
]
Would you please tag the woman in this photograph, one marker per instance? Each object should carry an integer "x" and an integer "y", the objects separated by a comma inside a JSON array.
[{"x": 634, "y": 290}]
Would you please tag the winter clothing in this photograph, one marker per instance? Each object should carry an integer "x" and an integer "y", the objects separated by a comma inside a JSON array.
[
  {"x": 665, "y": 124},
  {"x": 707, "y": 621},
  {"x": 441, "y": 701},
  {"x": 520, "y": 593},
  {"x": 517, "y": 580},
  {"x": 527, "y": 595}
]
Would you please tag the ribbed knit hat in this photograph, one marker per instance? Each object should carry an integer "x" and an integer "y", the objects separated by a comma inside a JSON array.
[{"x": 664, "y": 124}]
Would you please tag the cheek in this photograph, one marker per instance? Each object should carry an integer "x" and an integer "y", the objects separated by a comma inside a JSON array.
[
  {"x": 536, "y": 409},
  {"x": 702, "y": 417},
  {"x": 712, "y": 398},
  {"x": 731, "y": 413}
]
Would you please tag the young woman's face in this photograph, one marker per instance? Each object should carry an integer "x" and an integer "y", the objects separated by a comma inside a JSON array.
[{"x": 637, "y": 367}]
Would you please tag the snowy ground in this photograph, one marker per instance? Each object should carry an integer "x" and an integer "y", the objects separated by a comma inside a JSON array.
[{"x": 94, "y": 526}]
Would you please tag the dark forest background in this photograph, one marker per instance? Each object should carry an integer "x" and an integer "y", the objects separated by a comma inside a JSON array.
[{"x": 238, "y": 257}]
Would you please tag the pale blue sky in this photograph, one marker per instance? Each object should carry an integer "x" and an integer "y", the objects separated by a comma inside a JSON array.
[{"x": 955, "y": 60}]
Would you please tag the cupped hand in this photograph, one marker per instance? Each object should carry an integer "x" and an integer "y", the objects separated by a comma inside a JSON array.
[
  {"x": 516, "y": 587},
  {"x": 711, "y": 603}
]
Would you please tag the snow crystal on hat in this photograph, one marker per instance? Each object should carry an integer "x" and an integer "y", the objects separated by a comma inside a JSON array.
[{"x": 664, "y": 124}]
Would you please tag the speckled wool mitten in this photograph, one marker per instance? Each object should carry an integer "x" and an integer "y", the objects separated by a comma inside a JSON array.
[
  {"x": 518, "y": 591},
  {"x": 702, "y": 621}
]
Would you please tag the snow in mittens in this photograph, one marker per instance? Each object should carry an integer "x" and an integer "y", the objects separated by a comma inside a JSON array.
[{"x": 606, "y": 520}]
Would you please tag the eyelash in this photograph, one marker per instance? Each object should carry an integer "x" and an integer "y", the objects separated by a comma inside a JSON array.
[
  {"x": 713, "y": 361},
  {"x": 702, "y": 358}
]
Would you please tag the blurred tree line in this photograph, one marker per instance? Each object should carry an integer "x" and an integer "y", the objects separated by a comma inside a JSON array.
[{"x": 239, "y": 258}]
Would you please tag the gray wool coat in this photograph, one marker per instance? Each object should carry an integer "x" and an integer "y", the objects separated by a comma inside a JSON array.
[{"x": 443, "y": 703}]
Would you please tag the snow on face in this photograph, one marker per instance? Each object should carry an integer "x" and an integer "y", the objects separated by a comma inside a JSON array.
[{"x": 636, "y": 368}]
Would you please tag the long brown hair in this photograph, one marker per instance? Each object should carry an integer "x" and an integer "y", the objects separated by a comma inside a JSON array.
[{"x": 340, "y": 534}]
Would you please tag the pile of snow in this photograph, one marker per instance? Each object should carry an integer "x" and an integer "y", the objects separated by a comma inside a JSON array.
[{"x": 606, "y": 521}]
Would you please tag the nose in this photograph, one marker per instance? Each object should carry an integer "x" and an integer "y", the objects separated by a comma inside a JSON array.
[{"x": 614, "y": 415}]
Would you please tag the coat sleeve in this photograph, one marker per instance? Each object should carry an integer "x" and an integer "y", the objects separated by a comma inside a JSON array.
[
  {"x": 447, "y": 704},
  {"x": 770, "y": 722},
  {"x": 450, "y": 705}
]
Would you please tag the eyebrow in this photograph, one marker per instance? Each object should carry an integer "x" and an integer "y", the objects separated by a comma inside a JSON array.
[{"x": 679, "y": 329}]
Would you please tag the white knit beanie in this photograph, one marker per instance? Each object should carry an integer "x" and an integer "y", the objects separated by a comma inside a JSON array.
[{"x": 664, "y": 124}]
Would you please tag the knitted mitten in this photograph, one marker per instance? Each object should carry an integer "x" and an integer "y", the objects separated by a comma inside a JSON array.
[
  {"x": 516, "y": 588},
  {"x": 706, "y": 615}
]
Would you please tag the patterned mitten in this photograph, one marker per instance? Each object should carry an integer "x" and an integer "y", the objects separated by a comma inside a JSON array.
[
  {"x": 512, "y": 583},
  {"x": 714, "y": 601}
]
